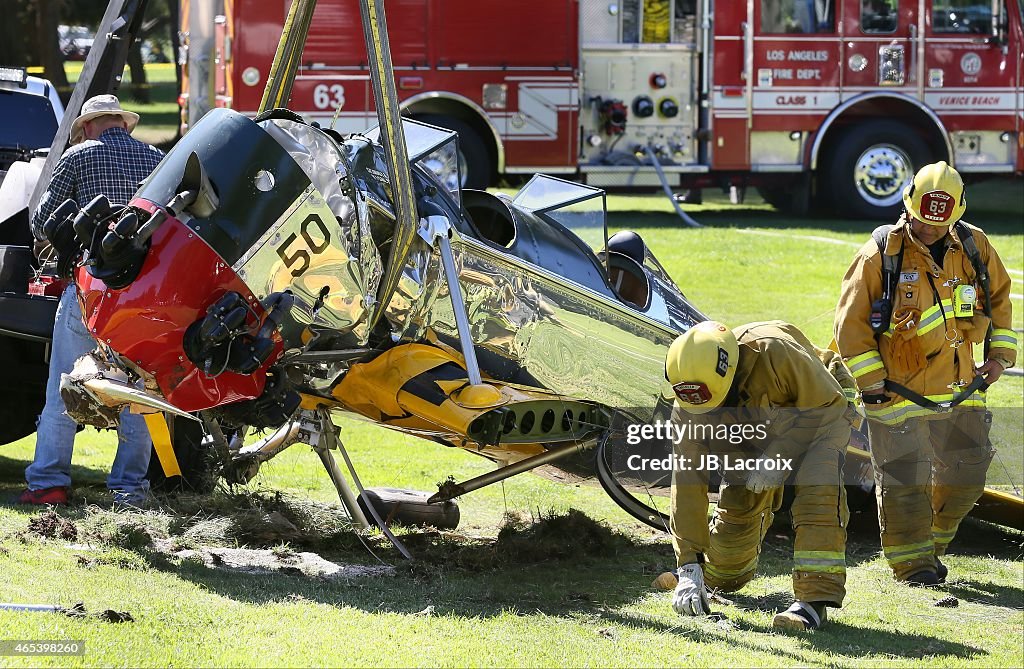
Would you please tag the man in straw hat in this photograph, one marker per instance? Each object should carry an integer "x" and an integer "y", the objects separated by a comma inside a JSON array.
[{"x": 104, "y": 159}]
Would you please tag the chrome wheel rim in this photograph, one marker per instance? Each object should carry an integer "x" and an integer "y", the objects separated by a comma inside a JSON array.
[{"x": 881, "y": 173}]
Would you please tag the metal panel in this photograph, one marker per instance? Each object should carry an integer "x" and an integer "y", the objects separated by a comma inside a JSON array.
[
  {"x": 983, "y": 150},
  {"x": 609, "y": 74},
  {"x": 599, "y": 21},
  {"x": 776, "y": 148}
]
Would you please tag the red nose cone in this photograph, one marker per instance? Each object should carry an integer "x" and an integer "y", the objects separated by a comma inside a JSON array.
[{"x": 145, "y": 321}]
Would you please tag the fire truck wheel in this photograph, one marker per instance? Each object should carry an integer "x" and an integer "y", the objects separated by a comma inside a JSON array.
[
  {"x": 868, "y": 167},
  {"x": 477, "y": 164}
]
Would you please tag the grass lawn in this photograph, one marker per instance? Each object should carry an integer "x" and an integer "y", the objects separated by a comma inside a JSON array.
[
  {"x": 470, "y": 599},
  {"x": 453, "y": 607}
]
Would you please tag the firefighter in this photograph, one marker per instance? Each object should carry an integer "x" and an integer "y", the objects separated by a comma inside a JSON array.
[
  {"x": 916, "y": 300},
  {"x": 767, "y": 376}
]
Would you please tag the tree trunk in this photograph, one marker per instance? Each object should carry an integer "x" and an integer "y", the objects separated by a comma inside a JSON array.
[
  {"x": 13, "y": 49},
  {"x": 48, "y": 45},
  {"x": 140, "y": 86}
]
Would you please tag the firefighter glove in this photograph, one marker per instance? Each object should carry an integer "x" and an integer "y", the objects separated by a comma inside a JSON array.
[
  {"x": 762, "y": 479},
  {"x": 905, "y": 350},
  {"x": 691, "y": 596}
]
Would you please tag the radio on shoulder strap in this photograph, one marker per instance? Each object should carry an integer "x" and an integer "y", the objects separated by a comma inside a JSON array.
[{"x": 881, "y": 309}]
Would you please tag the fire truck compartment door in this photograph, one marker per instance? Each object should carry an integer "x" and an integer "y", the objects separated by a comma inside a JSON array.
[
  {"x": 883, "y": 46},
  {"x": 970, "y": 81}
]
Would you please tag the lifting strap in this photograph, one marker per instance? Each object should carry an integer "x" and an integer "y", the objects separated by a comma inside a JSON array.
[{"x": 978, "y": 383}]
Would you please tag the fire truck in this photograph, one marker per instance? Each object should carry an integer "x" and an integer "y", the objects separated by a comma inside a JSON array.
[{"x": 836, "y": 102}]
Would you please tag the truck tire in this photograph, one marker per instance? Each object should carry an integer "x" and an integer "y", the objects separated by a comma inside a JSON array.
[
  {"x": 791, "y": 199},
  {"x": 478, "y": 165},
  {"x": 24, "y": 392},
  {"x": 18, "y": 414},
  {"x": 870, "y": 164}
]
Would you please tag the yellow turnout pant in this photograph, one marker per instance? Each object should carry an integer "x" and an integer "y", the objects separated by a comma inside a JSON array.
[{"x": 928, "y": 475}]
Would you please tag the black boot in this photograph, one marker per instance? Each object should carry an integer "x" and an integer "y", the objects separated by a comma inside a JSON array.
[{"x": 922, "y": 579}]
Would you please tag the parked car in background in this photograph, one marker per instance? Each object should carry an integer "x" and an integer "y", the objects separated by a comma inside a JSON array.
[{"x": 75, "y": 41}]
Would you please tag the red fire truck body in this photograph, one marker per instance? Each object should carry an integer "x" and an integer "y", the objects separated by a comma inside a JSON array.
[{"x": 839, "y": 98}]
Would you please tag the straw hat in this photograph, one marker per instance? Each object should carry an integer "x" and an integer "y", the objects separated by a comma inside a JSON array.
[{"x": 100, "y": 105}]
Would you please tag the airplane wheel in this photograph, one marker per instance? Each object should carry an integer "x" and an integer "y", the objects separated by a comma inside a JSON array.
[
  {"x": 409, "y": 507},
  {"x": 198, "y": 463}
]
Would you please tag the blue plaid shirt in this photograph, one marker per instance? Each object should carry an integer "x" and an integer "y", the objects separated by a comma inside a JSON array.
[{"x": 112, "y": 165}]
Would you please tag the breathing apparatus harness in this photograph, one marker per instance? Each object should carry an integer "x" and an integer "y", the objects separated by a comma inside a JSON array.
[{"x": 881, "y": 309}]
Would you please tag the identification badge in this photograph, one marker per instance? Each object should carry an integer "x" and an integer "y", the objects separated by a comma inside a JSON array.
[
  {"x": 908, "y": 277},
  {"x": 964, "y": 299}
]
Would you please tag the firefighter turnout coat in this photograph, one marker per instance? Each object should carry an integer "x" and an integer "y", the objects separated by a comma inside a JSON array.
[
  {"x": 782, "y": 383},
  {"x": 939, "y": 339}
]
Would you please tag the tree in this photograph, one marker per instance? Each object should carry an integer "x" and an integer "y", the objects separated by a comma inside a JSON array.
[
  {"x": 14, "y": 45},
  {"x": 47, "y": 17}
]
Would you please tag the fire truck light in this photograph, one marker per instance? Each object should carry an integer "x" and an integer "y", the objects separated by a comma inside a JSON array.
[
  {"x": 594, "y": 140},
  {"x": 795, "y": 135},
  {"x": 250, "y": 76}
]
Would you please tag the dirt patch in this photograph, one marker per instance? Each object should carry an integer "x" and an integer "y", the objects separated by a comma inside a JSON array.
[
  {"x": 573, "y": 535},
  {"x": 112, "y": 616},
  {"x": 553, "y": 536},
  {"x": 51, "y": 525},
  {"x": 260, "y": 520},
  {"x": 275, "y": 560}
]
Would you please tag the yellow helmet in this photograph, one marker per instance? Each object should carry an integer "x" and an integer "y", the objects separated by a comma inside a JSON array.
[
  {"x": 936, "y": 196},
  {"x": 701, "y": 365}
]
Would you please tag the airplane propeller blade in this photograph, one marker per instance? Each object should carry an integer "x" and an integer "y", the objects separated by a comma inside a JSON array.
[{"x": 112, "y": 393}]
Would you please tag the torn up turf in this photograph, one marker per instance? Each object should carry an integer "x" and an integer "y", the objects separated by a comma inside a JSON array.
[{"x": 51, "y": 525}]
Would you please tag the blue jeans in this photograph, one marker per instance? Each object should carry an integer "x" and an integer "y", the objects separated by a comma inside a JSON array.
[{"x": 55, "y": 436}]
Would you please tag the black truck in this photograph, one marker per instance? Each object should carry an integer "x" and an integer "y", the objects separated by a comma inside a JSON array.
[{"x": 30, "y": 115}]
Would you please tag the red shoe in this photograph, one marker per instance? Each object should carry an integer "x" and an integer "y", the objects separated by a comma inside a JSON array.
[{"x": 54, "y": 496}]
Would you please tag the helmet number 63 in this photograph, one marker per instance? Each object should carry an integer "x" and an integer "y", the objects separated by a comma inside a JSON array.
[
  {"x": 309, "y": 245},
  {"x": 329, "y": 97}
]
